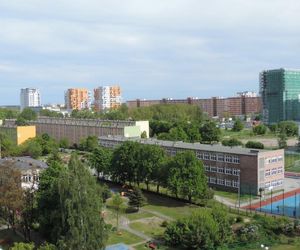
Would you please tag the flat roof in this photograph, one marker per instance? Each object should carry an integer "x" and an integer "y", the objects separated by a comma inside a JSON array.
[
  {"x": 191, "y": 146},
  {"x": 24, "y": 163}
]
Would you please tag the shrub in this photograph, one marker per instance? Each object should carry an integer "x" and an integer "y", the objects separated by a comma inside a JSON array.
[
  {"x": 259, "y": 129},
  {"x": 231, "y": 142},
  {"x": 254, "y": 144}
]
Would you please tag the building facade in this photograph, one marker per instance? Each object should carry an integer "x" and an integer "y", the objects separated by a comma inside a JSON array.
[
  {"x": 18, "y": 134},
  {"x": 29, "y": 170},
  {"x": 280, "y": 92},
  {"x": 107, "y": 97},
  {"x": 77, "y": 99},
  {"x": 226, "y": 168},
  {"x": 245, "y": 103},
  {"x": 30, "y": 97},
  {"x": 76, "y": 129}
]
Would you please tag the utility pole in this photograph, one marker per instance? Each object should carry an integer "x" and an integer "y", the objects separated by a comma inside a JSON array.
[{"x": 239, "y": 190}]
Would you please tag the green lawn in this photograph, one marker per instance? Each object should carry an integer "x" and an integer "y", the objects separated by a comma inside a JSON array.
[
  {"x": 161, "y": 247},
  {"x": 137, "y": 215},
  {"x": 126, "y": 237},
  {"x": 245, "y": 134},
  {"x": 292, "y": 162},
  {"x": 169, "y": 207},
  {"x": 151, "y": 228},
  {"x": 233, "y": 196}
]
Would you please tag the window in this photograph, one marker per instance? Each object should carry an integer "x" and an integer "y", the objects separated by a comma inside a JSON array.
[
  {"x": 274, "y": 159},
  {"x": 228, "y": 170},
  {"x": 235, "y": 171},
  {"x": 206, "y": 156},
  {"x": 274, "y": 183},
  {"x": 274, "y": 171},
  {"x": 220, "y": 181},
  {"x": 279, "y": 182},
  {"x": 236, "y": 159},
  {"x": 267, "y": 184},
  {"x": 213, "y": 169},
  {"x": 213, "y": 157},
  {"x": 228, "y": 183},
  {"x": 212, "y": 180},
  {"x": 235, "y": 183},
  {"x": 228, "y": 158},
  {"x": 207, "y": 168},
  {"x": 267, "y": 173},
  {"x": 220, "y": 170},
  {"x": 280, "y": 158},
  {"x": 280, "y": 170},
  {"x": 199, "y": 155},
  {"x": 220, "y": 157}
]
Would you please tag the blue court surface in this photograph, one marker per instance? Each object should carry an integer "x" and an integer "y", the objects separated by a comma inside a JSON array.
[
  {"x": 119, "y": 246},
  {"x": 289, "y": 207}
]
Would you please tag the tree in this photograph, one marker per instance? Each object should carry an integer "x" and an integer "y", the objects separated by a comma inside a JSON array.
[
  {"x": 21, "y": 122},
  {"x": 187, "y": 177},
  {"x": 89, "y": 143},
  {"x": 7, "y": 146},
  {"x": 100, "y": 160},
  {"x": 11, "y": 193},
  {"x": 231, "y": 142},
  {"x": 136, "y": 199},
  {"x": 238, "y": 126},
  {"x": 28, "y": 114},
  {"x": 209, "y": 132},
  {"x": 32, "y": 148},
  {"x": 22, "y": 246},
  {"x": 259, "y": 129},
  {"x": 290, "y": 128},
  {"x": 125, "y": 162},
  {"x": 282, "y": 140},
  {"x": 199, "y": 231},
  {"x": 117, "y": 203},
  {"x": 254, "y": 144},
  {"x": 64, "y": 143},
  {"x": 144, "y": 135},
  {"x": 48, "y": 201},
  {"x": 81, "y": 224},
  {"x": 150, "y": 158}
]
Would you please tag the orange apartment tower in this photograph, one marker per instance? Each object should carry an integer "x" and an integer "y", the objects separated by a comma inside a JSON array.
[
  {"x": 107, "y": 97},
  {"x": 77, "y": 98}
]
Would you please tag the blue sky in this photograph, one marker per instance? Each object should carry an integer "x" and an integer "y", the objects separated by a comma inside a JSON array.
[{"x": 152, "y": 49}]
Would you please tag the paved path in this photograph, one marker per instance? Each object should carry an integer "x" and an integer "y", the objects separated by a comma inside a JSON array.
[{"x": 124, "y": 224}]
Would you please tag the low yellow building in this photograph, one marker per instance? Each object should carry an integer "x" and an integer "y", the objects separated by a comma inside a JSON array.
[{"x": 19, "y": 134}]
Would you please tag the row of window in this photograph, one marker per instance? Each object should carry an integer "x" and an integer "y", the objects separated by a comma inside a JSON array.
[
  {"x": 222, "y": 170},
  {"x": 275, "y": 183},
  {"x": 29, "y": 178},
  {"x": 217, "y": 157},
  {"x": 223, "y": 182},
  {"x": 273, "y": 171},
  {"x": 274, "y": 159}
]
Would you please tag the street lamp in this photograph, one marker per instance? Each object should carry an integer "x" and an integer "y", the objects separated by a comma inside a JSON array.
[
  {"x": 261, "y": 189},
  {"x": 239, "y": 190}
]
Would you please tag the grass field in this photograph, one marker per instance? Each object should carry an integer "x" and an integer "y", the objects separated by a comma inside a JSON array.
[
  {"x": 168, "y": 207},
  {"x": 292, "y": 162},
  {"x": 151, "y": 227},
  {"x": 126, "y": 237},
  {"x": 138, "y": 215}
]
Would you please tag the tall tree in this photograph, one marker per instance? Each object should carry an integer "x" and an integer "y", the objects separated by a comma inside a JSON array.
[
  {"x": 117, "y": 203},
  {"x": 100, "y": 160},
  {"x": 136, "y": 198},
  {"x": 81, "y": 224},
  {"x": 11, "y": 193},
  {"x": 125, "y": 162},
  {"x": 209, "y": 132},
  {"x": 48, "y": 206},
  {"x": 238, "y": 126},
  {"x": 187, "y": 177}
]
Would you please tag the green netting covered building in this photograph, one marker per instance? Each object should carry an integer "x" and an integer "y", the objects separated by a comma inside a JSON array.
[{"x": 280, "y": 92}]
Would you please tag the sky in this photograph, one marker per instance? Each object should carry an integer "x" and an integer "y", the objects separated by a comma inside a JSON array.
[{"x": 153, "y": 49}]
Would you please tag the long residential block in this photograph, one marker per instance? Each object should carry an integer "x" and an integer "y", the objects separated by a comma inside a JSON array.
[{"x": 226, "y": 168}]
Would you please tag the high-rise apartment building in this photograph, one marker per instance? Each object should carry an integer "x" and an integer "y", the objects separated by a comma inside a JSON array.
[
  {"x": 30, "y": 97},
  {"x": 280, "y": 92},
  {"x": 77, "y": 99},
  {"x": 107, "y": 97}
]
